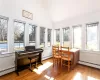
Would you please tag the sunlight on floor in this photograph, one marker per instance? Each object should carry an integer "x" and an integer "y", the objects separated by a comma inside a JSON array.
[
  {"x": 78, "y": 76},
  {"x": 43, "y": 67},
  {"x": 49, "y": 78},
  {"x": 91, "y": 78}
]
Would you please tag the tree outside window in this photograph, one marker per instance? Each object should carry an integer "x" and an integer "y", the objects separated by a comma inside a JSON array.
[
  {"x": 32, "y": 34},
  {"x": 42, "y": 37},
  {"x": 57, "y": 36},
  {"x": 77, "y": 36},
  {"x": 49, "y": 37},
  {"x": 92, "y": 41},
  {"x": 3, "y": 34},
  {"x": 66, "y": 37},
  {"x": 19, "y": 35}
]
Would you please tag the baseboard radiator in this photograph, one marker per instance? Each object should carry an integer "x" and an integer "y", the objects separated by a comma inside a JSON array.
[
  {"x": 3, "y": 72},
  {"x": 91, "y": 59},
  {"x": 89, "y": 64}
]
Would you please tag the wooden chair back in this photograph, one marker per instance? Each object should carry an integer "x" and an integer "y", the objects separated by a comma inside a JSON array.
[
  {"x": 55, "y": 50},
  {"x": 65, "y": 52}
]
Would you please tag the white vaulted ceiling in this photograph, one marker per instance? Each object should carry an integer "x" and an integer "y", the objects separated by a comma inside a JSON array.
[{"x": 62, "y": 9}]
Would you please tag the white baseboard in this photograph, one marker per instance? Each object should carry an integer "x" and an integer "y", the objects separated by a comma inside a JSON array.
[
  {"x": 13, "y": 68},
  {"x": 89, "y": 64},
  {"x": 46, "y": 57},
  {"x": 7, "y": 71}
]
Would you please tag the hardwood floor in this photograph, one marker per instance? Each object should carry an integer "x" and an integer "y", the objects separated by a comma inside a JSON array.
[{"x": 48, "y": 72}]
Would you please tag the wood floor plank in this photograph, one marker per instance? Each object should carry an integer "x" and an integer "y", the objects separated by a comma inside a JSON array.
[{"x": 49, "y": 72}]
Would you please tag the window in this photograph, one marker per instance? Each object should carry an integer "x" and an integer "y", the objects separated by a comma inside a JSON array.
[
  {"x": 42, "y": 37},
  {"x": 19, "y": 35},
  {"x": 32, "y": 33},
  {"x": 77, "y": 36},
  {"x": 66, "y": 38},
  {"x": 49, "y": 37},
  {"x": 57, "y": 36},
  {"x": 91, "y": 43},
  {"x": 3, "y": 33}
]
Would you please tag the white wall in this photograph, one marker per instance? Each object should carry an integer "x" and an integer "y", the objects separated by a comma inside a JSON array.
[
  {"x": 89, "y": 57},
  {"x": 13, "y": 10}
]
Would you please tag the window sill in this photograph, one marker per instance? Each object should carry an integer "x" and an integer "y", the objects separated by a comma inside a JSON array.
[
  {"x": 90, "y": 51},
  {"x": 4, "y": 53},
  {"x": 49, "y": 46}
]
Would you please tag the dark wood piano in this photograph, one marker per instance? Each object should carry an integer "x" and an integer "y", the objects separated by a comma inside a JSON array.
[{"x": 21, "y": 57}]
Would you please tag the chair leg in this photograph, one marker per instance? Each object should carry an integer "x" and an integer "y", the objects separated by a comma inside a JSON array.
[
  {"x": 30, "y": 65},
  {"x": 61, "y": 63},
  {"x": 57, "y": 61},
  {"x": 68, "y": 66},
  {"x": 53, "y": 62},
  {"x": 36, "y": 64}
]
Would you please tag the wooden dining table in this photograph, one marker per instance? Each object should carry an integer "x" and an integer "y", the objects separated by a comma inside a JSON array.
[{"x": 74, "y": 54}]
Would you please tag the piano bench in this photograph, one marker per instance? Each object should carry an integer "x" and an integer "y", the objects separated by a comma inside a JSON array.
[{"x": 35, "y": 58}]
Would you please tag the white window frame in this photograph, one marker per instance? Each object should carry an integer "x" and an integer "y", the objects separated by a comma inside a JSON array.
[
  {"x": 73, "y": 35},
  {"x": 35, "y": 34},
  {"x": 56, "y": 36},
  {"x": 98, "y": 42},
  {"x": 47, "y": 37},
  {"x": 44, "y": 37},
  {"x": 19, "y": 21},
  {"x": 5, "y": 18},
  {"x": 68, "y": 35}
]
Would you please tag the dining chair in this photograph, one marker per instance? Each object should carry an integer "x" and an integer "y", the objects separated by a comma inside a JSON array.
[
  {"x": 56, "y": 55},
  {"x": 66, "y": 58}
]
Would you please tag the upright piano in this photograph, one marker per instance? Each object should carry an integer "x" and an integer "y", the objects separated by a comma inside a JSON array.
[{"x": 21, "y": 57}]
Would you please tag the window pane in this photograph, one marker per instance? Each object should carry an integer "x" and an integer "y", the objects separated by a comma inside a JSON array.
[
  {"x": 3, "y": 34},
  {"x": 77, "y": 36},
  {"x": 92, "y": 36},
  {"x": 66, "y": 34},
  {"x": 49, "y": 37},
  {"x": 19, "y": 35},
  {"x": 32, "y": 32},
  {"x": 42, "y": 36},
  {"x": 57, "y": 36}
]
